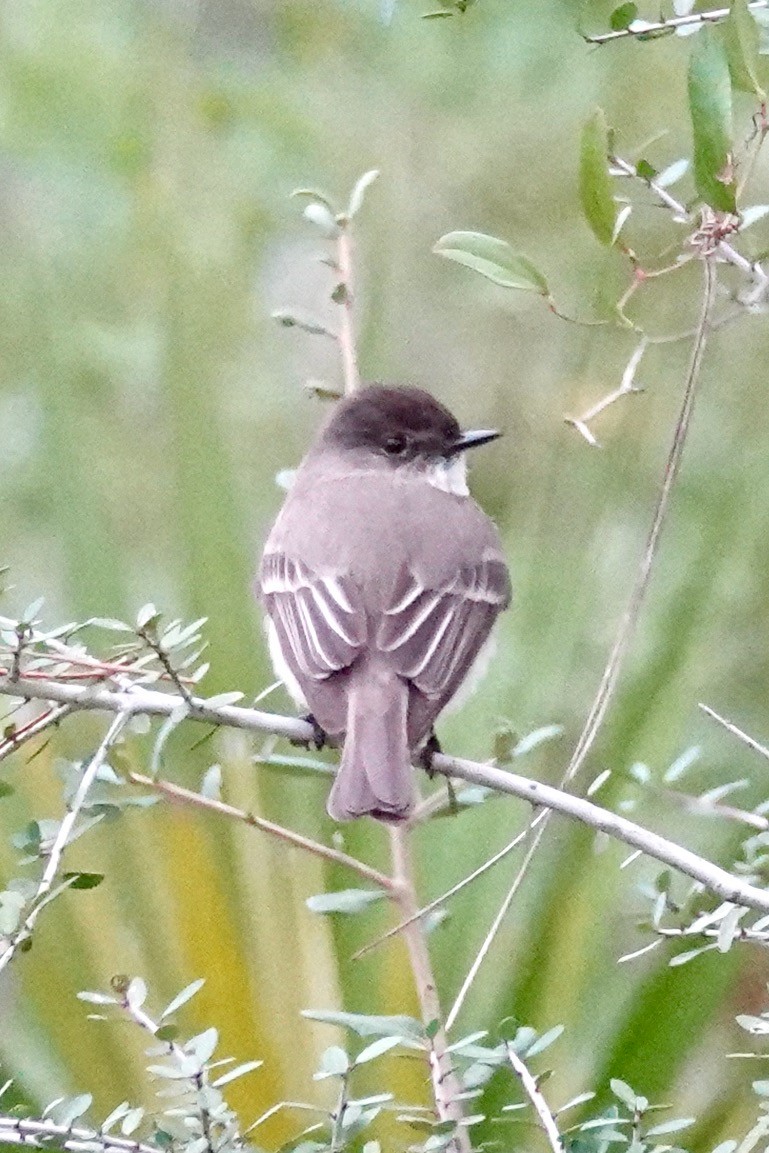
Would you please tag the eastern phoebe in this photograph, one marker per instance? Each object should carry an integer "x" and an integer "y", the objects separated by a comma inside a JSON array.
[{"x": 382, "y": 579}]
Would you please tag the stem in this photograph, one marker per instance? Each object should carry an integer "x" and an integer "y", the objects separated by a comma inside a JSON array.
[
  {"x": 428, "y": 908},
  {"x": 346, "y": 337},
  {"x": 28, "y": 1131},
  {"x": 496, "y": 924},
  {"x": 60, "y": 841},
  {"x": 751, "y": 742},
  {"x": 21, "y": 735},
  {"x": 532, "y": 1091},
  {"x": 629, "y": 621},
  {"x": 177, "y": 793},
  {"x": 649, "y": 28},
  {"x": 446, "y": 1087}
]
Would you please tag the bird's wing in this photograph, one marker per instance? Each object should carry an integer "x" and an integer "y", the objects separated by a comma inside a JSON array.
[
  {"x": 433, "y": 635},
  {"x": 320, "y": 622}
]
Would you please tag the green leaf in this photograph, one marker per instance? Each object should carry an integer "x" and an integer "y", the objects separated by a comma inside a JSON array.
[
  {"x": 296, "y": 766},
  {"x": 83, "y": 880},
  {"x": 622, "y": 17},
  {"x": 645, "y": 170},
  {"x": 492, "y": 258},
  {"x": 370, "y": 1026},
  {"x": 6, "y": 790},
  {"x": 344, "y": 901},
  {"x": 710, "y": 106},
  {"x": 595, "y": 187},
  {"x": 741, "y": 37},
  {"x": 314, "y": 194},
  {"x": 167, "y": 1033}
]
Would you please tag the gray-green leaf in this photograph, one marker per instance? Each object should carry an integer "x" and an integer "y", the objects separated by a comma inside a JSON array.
[
  {"x": 492, "y": 258},
  {"x": 344, "y": 901},
  {"x": 370, "y": 1026}
]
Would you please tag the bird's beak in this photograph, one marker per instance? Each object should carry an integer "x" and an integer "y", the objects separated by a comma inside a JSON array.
[{"x": 472, "y": 439}]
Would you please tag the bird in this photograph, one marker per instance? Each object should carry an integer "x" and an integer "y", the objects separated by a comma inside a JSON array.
[{"x": 381, "y": 579}]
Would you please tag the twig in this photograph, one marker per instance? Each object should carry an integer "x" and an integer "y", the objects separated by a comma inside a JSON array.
[
  {"x": 714, "y": 878},
  {"x": 488, "y": 940},
  {"x": 62, "y": 836},
  {"x": 740, "y": 734},
  {"x": 154, "y": 643},
  {"x": 629, "y": 621},
  {"x": 346, "y": 337},
  {"x": 626, "y": 385},
  {"x": 195, "y": 1075},
  {"x": 138, "y": 700},
  {"x": 177, "y": 793},
  {"x": 446, "y": 1088},
  {"x": 532, "y": 1091},
  {"x": 437, "y": 901},
  {"x": 652, "y": 28},
  {"x": 40, "y": 1134},
  {"x": 752, "y": 270},
  {"x": 20, "y": 736}
]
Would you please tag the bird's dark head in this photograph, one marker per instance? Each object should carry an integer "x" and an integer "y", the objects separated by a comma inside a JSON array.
[{"x": 400, "y": 424}]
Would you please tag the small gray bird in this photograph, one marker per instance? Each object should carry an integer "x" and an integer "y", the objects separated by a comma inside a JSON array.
[{"x": 382, "y": 579}]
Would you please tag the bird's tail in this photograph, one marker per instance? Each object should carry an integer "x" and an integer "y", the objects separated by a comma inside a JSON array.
[{"x": 375, "y": 777}]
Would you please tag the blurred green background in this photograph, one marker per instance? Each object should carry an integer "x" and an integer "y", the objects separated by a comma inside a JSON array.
[{"x": 147, "y": 152}]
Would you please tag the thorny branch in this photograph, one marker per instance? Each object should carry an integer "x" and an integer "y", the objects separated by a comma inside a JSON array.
[{"x": 534, "y": 1093}]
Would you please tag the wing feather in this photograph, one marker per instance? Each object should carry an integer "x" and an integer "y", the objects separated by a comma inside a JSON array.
[
  {"x": 319, "y": 627},
  {"x": 433, "y": 635}
]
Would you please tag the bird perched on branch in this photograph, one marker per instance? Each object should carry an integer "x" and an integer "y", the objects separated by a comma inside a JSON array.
[{"x": 382, "y": 579}]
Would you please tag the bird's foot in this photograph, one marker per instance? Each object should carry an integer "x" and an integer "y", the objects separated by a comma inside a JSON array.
[
  {"x": 429, "y": 749},
  {"x": 319, "y": 738}
]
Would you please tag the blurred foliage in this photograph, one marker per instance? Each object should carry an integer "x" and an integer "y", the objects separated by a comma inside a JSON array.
[{"x": 147, "y": 149}]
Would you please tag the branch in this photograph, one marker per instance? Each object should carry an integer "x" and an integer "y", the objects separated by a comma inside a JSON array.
[
  {"x": 628, "y": 624},
  {"x": 446, "y": 1088},
  {"x": 629, "y": 621},
  {"x": 39, "y": 1134},
  {"x": 725, "y": 250},
  {"x": 346, "y": 337},
  {"x": 751, "y": 742},
  {"x": 18, "y": 737},
  {"x": 177, "y": 793},
  {"x": 647, "y": 28},
  {"x": 138, "y": 700},
  {"x": 496, "y": 924},
  {"x": 532, "y": 1091},
  {"x": 60, "y": 841}
]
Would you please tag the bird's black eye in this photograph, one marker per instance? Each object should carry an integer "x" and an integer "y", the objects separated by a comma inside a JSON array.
[{"x": 395, "y": 445}]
